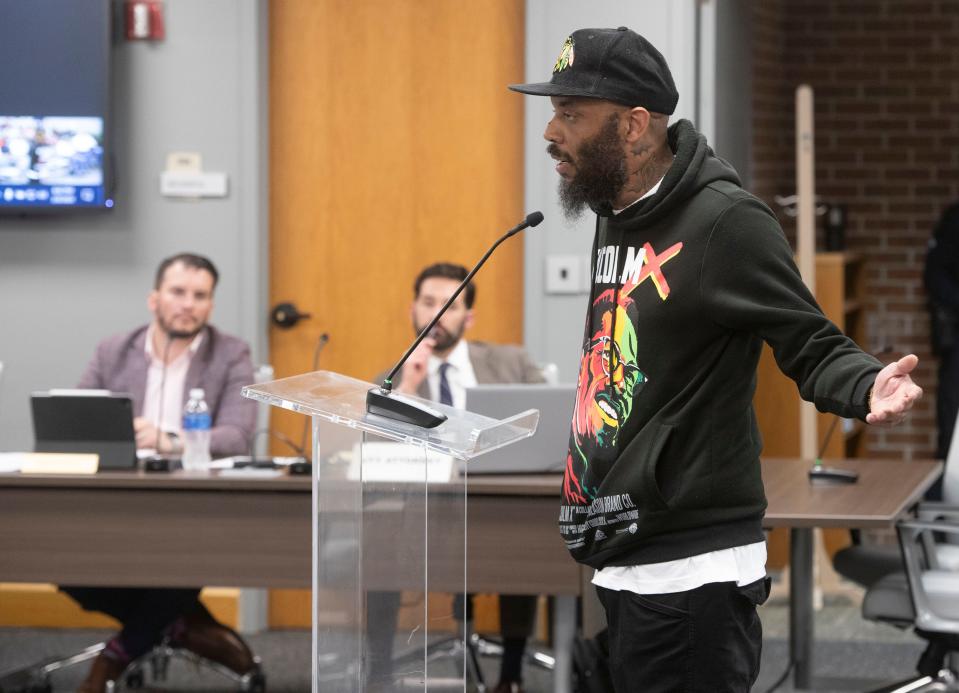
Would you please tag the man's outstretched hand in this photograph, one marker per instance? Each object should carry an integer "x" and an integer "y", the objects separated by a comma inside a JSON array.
[{"x": 894, "y": 393}]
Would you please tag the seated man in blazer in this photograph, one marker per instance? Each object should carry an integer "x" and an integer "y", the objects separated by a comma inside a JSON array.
[
  {"x": 158, "y": 364},
  {"x": 440, "y": 369}
]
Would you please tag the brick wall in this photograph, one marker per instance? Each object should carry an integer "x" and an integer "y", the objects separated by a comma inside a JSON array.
[{"x": 886, "y": 81}]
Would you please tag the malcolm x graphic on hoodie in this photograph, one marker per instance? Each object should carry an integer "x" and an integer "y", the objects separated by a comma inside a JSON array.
[{"x": 664, "y": 448}]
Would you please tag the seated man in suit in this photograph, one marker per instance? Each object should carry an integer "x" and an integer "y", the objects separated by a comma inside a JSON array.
[
  {"x": 158, "y": 364},
  {"x": 440, "y": 369}
]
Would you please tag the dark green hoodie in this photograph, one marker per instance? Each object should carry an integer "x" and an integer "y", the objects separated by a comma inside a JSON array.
[{"x": 687, "y": 284}]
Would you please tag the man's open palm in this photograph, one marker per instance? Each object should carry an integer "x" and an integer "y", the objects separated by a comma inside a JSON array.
[{"x": 894, "y": 393}]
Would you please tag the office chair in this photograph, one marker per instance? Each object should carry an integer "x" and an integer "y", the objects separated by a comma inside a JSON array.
[
  {"x": 866, "y": 564},
  {"x": 453, "y": 648},
  {"x": 918, "y": 585},
  {"x": 158, "y": 661},
  {"x": 471, "y": 648},
  {"x": 36, "y": 678},
  {"x": 924, "y": 597}
]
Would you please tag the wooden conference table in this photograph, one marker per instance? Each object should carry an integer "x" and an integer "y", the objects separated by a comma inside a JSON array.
[
  {"x": 136, "y": 528},
  {"x": 883, "y": 494},
  {"x": 174, "y": 530}
]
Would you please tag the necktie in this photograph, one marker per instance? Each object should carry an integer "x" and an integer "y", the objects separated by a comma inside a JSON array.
[{"x": 446, "y": 394}]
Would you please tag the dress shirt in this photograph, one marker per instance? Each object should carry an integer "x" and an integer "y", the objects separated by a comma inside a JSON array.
[
  {"x": 170, "y": 418},
  {"x": 460, "y": 374}
]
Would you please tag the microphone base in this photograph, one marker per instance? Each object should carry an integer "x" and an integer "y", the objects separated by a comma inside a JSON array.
[
  {"x": 832, "y": 475},
  {"x": 382, "y": 403}
]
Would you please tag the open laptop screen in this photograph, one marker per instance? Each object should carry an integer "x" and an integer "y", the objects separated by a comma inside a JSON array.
[
  {"x": 86, "y": 421},
  {"x": 543, "y": 452}
]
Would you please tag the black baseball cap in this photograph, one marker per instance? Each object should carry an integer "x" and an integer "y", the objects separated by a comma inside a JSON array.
[{"x": 613, "y": 64}]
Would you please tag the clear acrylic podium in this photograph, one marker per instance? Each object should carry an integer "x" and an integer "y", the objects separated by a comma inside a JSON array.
[{"x": 389, "y": 534}]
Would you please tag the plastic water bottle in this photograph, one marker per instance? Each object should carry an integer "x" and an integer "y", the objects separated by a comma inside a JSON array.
[{"x": 196, "y": 432}]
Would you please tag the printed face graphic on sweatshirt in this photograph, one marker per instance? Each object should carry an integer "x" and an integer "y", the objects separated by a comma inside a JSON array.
[{"x": 608, "y": 377}]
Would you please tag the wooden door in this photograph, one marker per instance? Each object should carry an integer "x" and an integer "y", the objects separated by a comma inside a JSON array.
[{"x": 394, "y": 143}]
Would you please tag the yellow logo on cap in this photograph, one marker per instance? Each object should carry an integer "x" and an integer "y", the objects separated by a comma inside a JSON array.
[{"x": 566, "y": 56}]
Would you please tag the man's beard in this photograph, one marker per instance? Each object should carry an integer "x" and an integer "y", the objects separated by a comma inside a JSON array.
[
  {"x": 443, "y": 340},
  {"x": 173, "y": 333},
  {"x": 600, "y": 173}
]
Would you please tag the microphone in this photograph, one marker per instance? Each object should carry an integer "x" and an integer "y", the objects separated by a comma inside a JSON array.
[
  {"x": 382, "y": 402},
  {"x": 171, "y": 335},
  {"x": 830, "y": 474},
  {"x": 159, "y": 414},
  {"x": 320, "y": 344},
  {"x": 833, "y": 474}
]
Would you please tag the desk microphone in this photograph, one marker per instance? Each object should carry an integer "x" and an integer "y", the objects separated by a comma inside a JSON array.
[
  {"x": 382, "y": 401},
  {"x": 833, "y": 474},
  {"x": 159, "y": 416},
  {"x": 283, "y": 438},
  {"x": 320, "y": 344},
  {"x": 830, "y": 474}
]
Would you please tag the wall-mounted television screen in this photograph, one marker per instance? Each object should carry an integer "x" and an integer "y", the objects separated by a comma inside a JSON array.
[{"x": 54, "y": 104}]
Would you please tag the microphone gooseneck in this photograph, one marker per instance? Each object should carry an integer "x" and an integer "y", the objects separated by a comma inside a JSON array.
[
  {"x": 320, "y": 345},
  {"x": 825, "y": 442},
  {"x": 531, "y": 220},
  {"x": 380, "y": 401},
  {"x": 159, "y": 417}
]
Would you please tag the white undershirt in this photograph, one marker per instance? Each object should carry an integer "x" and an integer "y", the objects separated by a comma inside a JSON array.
[
  {"x": 460, "y": 375},
  {"x": 649, "y": 193},
  {"x": 170, "y": 418},
  {"x": 739, "y": 564}
]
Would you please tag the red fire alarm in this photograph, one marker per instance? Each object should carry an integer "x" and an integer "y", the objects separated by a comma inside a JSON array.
[{"x": 144, "y": 20}]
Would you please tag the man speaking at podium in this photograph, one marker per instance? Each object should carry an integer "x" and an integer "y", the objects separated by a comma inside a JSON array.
[
  {"x": 690, "y": 275},
  {"x": 440, "y": 369},
  {"x": 158, "y": 364}
]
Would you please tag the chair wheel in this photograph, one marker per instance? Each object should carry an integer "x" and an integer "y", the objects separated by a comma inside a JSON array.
[
  {"x": 257, "y": 683},
  {"x": 135, "y": 679}
]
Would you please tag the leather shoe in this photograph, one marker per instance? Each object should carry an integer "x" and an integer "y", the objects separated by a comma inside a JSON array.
[
  {"x": 104, "y": 668},
  {"x": 204, "y": 636},
  {"x": 508, "y": 687}
]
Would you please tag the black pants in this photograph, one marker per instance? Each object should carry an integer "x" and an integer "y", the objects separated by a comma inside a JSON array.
[
  {"x": 706, "y": 640},
  {"x": 144, "y": 612}
]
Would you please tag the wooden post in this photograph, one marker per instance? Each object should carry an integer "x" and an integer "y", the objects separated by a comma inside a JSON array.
[
  {"x": 806, "y": 252},
  {"x": 806, "y": 237}
]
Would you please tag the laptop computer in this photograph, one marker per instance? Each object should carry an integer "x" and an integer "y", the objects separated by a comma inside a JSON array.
[
  {"x": 543, "y": 452},
  {"x": 88, "y": 421}
]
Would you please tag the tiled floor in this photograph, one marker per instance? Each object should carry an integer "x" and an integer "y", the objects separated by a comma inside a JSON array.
[{"x": 846, "y": 646}]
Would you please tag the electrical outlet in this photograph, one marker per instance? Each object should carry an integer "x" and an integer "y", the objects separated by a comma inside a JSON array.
[{"x": 564, "y": 274}]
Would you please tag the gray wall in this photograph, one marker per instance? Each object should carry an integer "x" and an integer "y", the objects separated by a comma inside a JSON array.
[
  {"x": 726, "y": 81},
  {"x": 554, "y": 322},
  {"x": 65, "y": 283}
]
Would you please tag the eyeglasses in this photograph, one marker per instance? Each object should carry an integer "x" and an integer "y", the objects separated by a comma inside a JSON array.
[{"x": 613, "y": 358}]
